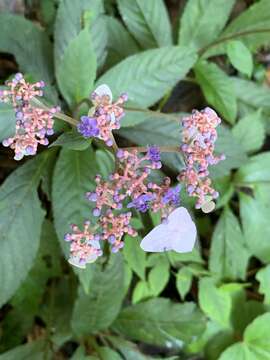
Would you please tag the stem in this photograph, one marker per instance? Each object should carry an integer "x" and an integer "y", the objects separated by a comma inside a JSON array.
[
  {"x": 230, "y": 37},
  {"x": 145, "y": 148}
]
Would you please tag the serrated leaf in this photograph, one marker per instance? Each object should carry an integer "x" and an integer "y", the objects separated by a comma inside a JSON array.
[
  {"x": 7, "y": 121},
  {"x": 72, "y": 140},
  {"x": 71, "y": 18},
  {"x": 240, "y": 57},
  {"x": 249, "y": 131},
  {"x": 120, "y": 43},
  {"x": 256, "y": 227},
  {"x": 252, "y": 27},
  {"x": 135, "y": 256},
  {"x": 215, "y": 302},
  {"x": 21, "y": 218},
  {"x": 28, "y": 43},
  {"x": 251, "y": 93},
  {"x": 148, "y": 22},
  {"x": 263, "y": 276},
  {"x": 72, "y": 179},
  {"x": 256, "y": 170},
  {"x": 77, "y": 70},
  {"x": 228, "y": 254},
  {"x": 98, "y": 309},
  {"x": 217, "y": 89},
  {"x": 147, "y": 76},
  {"x": 196, "y": 29},
  {"x": 159, "y": 321},
  {"x": 183, "y": 281}
]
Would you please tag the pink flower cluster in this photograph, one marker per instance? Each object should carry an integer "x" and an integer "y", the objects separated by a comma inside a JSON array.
[
  {"x": 33, "y": 124},
  {"x": 104, "y": 117},
  {"x": 128, "y": 187},
  {"x": 199, "y": 136}
]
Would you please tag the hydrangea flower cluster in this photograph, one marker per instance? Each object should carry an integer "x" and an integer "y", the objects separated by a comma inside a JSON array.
[
  {"x": 199, "y": 136},
  {"x": 33, "y": 124},
  {"x": 104, "y": 117}
]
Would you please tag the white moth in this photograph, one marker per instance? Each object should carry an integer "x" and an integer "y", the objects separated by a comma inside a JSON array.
[
  {"x": 104, "y": 90},
  {"x": 178, "y": 234}
]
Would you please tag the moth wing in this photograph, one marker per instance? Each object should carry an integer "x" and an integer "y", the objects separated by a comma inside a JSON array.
[
  {"x": 183, "y": 230},
  {"x": 158, "y": 240}
]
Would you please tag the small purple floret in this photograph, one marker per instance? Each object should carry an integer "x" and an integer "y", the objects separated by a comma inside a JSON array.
[{"x": 88, "y": 127}]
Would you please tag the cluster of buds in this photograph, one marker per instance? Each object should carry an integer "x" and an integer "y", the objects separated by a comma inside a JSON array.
[
  {"x": 199, "y": 136},
  {"x": 33, "y": 124},
  {"x": 130, "y": 187},
  {"x": 104, "y": 116}
]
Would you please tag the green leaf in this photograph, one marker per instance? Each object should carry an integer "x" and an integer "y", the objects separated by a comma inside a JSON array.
[
  {"x": 98, "y": 309},
  {"x": 255, "y": 219},
  {"x": 183, "y": 281},
  {"x": 158, "y": 277},
  {"x": 72, "y": 140},
  {"x": 135, "y": 256},
  {"x": 161, "y": 322},
  {"x": 252, "y": 27},
  {"x": 240, "y": 57},
  {"x": 249, "y": 131},
  {"x": 7, "y": 121},
  {"x": 120, "y": 43},
  {"x": 256, "y": 342},
  {"x": 263, "y": 276},
  {"x": 105, "y": 162},
  {"x": 147, "y": 76},
  {"x": 251, "y": 93},
  {"x": 215, "y": 302},
  {"x": 196, "y": 28},
  {"x": 217, "y": 89},
  {"x": 141, "y": 292},
  {"x": 31, "y": 351},
  {"x": 256, "y": 170},
  {"x": 77, "y": 70},
  {"x": 228, "y": 254},
  {"x": 71, "y": 18},
  {"x": 128, "y": 349},
  {"x": 148, "y": 22},
  {"x": 107, "y": 353},
  {"x": 29, "y": 44},
  {"x": 21, "y": 219},
  {"x": 72, "y": 179}
]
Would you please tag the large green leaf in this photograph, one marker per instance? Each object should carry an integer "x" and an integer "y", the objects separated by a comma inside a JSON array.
[
  {"x": 31, "y": 351},
  {"x": 255, "y": 219},
  {"x": 215, "y": 302},
  {"x": 21, "y": 218},
  {"x": 217, "y": 89},
  {"x": 72, "y": 140},
  {"x": 135, "y": 256},
  {"x": 251, "y": 93},
  {"x": 228, "y": 255},
  {"x": 196, "y": 28},
  {"x": 147, "y": 76},
  {"x": 120, "y": 43},
  {"x": 29, "y": 44},
  {"x": 7, "y": 121},
  {"x": 255, "y": 344},
  {"x": 71, "y": 18},
  {"x": 252, "y": 27},
  {"x": 263, "y": 276},
  {"x": 72, "y": 179},
  {"x": 148, "y": 22},
  {"x": 98, "y": 309},
  {"x": 240, "y": 57},
  {"x": 256, "y": 170},
  {"x": 76, "y": 72},
  {"x": 249, "y": 131},
  {"x": 161, "y": 322}
]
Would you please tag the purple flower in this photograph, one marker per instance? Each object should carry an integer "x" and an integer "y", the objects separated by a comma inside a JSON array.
[
  {"x": 88, "y": 127},
  {"x": 153, "y": 153},
  {"x": 142, "y": 202},
  {"x": 172, "y": 196}
]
